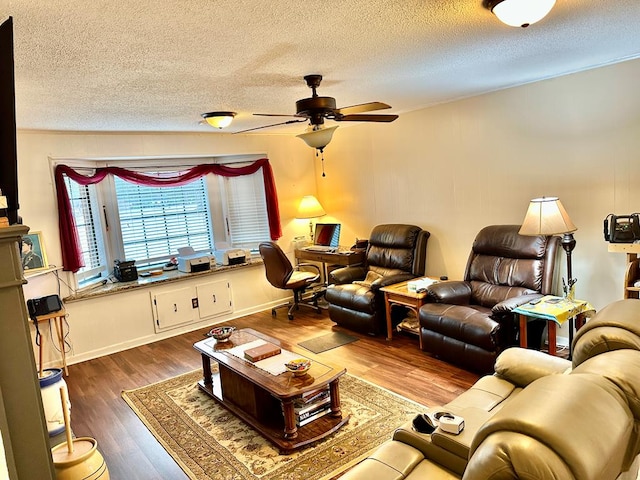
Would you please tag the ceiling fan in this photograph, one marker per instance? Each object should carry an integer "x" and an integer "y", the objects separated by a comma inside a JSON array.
[{"x": 316, "y": 108}]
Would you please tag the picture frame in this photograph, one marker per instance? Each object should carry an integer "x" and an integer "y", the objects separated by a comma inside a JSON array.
[{"x": 32, "y": 252}]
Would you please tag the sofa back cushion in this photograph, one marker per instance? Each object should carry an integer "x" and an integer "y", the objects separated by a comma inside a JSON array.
[
  {"x": 559, "y": 427},
  {"x": 615, "y": 327},
  {"x": 504, "y": 264},
  {"x": 621, "y": 368}
]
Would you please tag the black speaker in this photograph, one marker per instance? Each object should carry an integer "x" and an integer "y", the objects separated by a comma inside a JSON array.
[
  {"x": 43, "y": 305},
  {"x": 125, "y": 271}
]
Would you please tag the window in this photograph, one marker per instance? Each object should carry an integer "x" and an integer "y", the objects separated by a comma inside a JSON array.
[
  {"x": 156, "y": 221},
  {"x": 245, "y": 211},
  {"x": 117, "y": 219},
  {"x": 85, "y": 210}
]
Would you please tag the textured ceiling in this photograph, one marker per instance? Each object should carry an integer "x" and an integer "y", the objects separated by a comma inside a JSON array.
[{"x": 145, "y": 65}]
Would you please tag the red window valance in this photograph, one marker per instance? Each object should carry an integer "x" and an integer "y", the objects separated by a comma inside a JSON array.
[{"x": 69, "y": 240}]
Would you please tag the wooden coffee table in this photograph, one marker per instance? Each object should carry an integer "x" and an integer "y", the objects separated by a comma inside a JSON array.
[{"x": 265, "y": 401}]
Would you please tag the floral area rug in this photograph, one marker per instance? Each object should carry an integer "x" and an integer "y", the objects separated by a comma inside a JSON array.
[{"x": 209, "y": 442}]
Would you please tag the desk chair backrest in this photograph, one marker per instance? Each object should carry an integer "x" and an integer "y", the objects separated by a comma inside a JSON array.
[{"x": 277, "y": 266}]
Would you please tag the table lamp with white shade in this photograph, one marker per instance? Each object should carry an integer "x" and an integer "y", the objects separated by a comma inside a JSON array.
[
  {"x": 310, "y": 208},
  {"x": 547, "y": 216}
]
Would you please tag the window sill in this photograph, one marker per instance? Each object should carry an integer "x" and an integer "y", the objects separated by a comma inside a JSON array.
[{"x": 111, "y": 288}]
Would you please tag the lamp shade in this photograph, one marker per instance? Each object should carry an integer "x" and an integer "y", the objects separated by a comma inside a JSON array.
[
  {"x": 219, "y": 119},
  {"x": 546, "y": 216},
  {"x": 319, "y": 138},
  {"x": 310, "y": 208},
  {"x": 520, "y": 13}
]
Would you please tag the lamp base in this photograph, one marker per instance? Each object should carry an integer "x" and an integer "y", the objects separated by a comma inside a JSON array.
[{"x": 4, "y": 222}]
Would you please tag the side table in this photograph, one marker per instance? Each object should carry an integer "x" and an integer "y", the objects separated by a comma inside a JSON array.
[
  {"x": 399, "y": 294},
  {"x": 57, "y": 318},
  {"x": 556, "y": 311}
]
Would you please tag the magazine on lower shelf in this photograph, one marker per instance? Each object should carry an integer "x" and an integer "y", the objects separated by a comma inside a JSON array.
[
  {"x": 308, "y": 411},
  {"x": 317, "y": 397},
  {"x": 320, "y": 413}
]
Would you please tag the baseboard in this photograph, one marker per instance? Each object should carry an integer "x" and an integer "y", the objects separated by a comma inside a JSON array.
[{"x": 137, "y": 342}]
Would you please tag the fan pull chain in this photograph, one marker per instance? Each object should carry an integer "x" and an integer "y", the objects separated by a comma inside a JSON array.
[{"x": 321, "y": 159}]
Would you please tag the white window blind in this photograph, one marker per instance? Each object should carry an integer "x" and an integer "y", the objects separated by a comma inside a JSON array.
[
  {"x": 246, "y": 210},
  {"x": 86, "y": 214},
  {"x": 156, "y": 221}
]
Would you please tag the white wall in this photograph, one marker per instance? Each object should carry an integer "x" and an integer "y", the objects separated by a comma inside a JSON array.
[
  {"x": 451, "y": 169},
  {"x": 456, "y": 168}
]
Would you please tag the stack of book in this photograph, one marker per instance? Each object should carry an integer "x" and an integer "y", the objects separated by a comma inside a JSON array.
[{"x": 311, "y": 406}]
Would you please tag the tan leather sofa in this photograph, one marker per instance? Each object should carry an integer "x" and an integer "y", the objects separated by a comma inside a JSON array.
[{"x": 537, "y": 416}]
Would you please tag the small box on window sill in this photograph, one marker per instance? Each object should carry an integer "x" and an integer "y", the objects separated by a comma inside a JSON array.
[{"x": 260, "y": 353}]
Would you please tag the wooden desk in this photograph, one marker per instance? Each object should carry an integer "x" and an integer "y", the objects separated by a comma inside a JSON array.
[
  {"x": 343, "y": 258},
  {"x": 57, "y": 317}
]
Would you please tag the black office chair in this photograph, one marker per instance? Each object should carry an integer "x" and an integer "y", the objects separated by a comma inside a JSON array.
[{"x": 281, "y": 274}]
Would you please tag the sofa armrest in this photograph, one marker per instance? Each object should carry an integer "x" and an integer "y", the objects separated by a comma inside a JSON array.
[
  {"x": 451, "y": 292},
  {"x": 510, "y": 303},
  {"x": 349, "y": 274},
  {"x": 522, "y": 366},
  {"x": 407, "y": 435},
  {"x": 390, "y": 280},
  {"x": 390, "y": 461}
]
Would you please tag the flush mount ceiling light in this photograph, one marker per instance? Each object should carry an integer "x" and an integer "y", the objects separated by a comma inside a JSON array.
[
  {"x": 520, "y": 13},
  {"x": 219, "y": 119}
]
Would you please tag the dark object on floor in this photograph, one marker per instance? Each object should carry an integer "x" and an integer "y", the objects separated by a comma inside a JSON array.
[{"x": 327, "y": 342}]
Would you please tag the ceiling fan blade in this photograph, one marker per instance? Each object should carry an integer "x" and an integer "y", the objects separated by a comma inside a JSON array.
[
  {"x": 366, "y": 118},
  {"x": 272, "y": 125},
  {"x": 363, "y": 107},
  {"x": 278, "y": 115}
]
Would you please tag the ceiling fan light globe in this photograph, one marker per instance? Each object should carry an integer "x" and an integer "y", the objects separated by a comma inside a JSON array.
[
  {"x": 521, "y": 13},
  {"x": 318, "y": 138},
  {"x": 219, "y": 119}
]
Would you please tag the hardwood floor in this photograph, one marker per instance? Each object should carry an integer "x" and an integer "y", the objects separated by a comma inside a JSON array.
[{"x": 131, "y": 452}]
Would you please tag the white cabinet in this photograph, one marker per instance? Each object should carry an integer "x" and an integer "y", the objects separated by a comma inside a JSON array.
[
  {"x": 178, "y": 307},
  {"x": 174, "y": 308},
  {"x": 214, "y": 298}
]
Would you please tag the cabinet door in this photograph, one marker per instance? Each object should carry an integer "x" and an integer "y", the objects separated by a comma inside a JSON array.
[
  {"x": 214, "y": 298},
  {"x": 174, "y": 308}
]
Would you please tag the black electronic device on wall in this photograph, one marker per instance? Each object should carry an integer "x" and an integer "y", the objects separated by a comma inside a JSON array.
[
  {"x": 125, "y": 271},
  {"x": 622, "y": 228}
]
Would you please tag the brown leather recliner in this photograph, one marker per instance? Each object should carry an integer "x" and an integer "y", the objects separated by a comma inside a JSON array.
[
  {"x": 395, "y": 253},
  {"x": 470, "y": 322}
]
